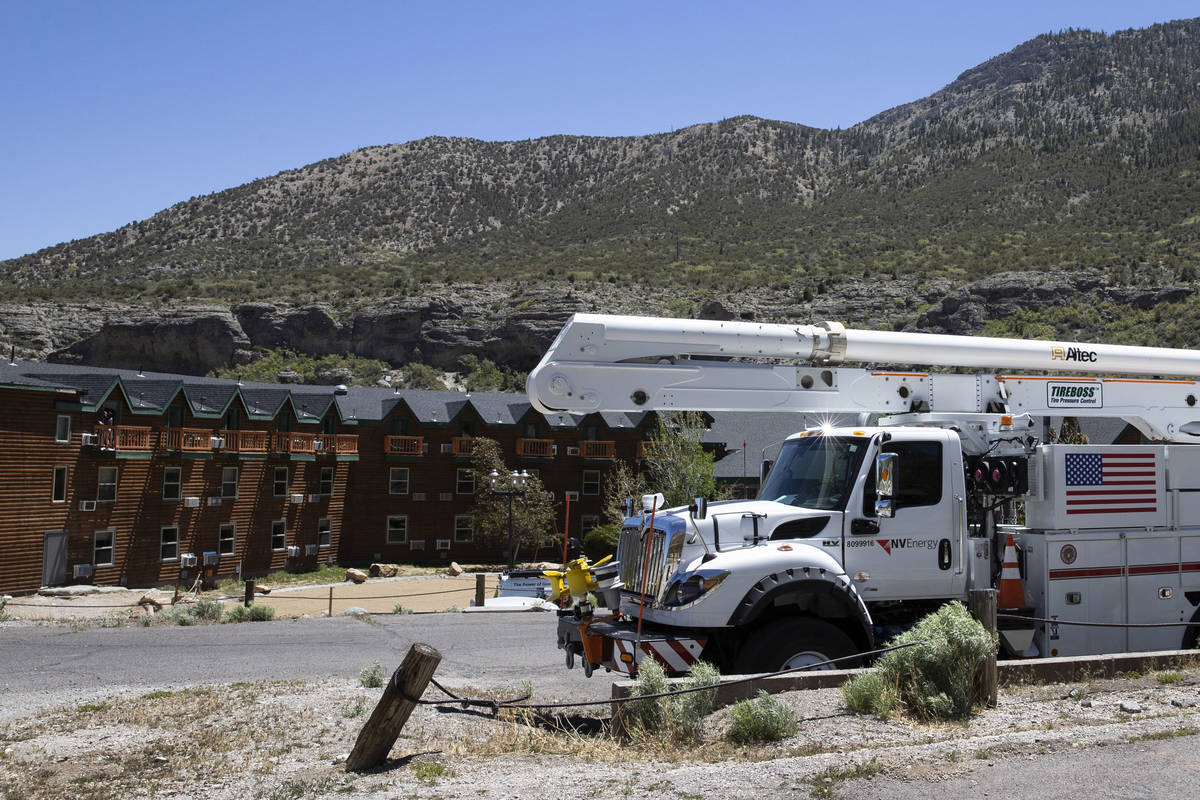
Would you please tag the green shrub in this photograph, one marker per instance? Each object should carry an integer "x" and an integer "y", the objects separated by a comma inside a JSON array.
[
  {"x": 207, "y": 609},
  {"x": 761, "y": 719},
  {"x": 4, "y": 615},
  {"x": 255, "y": 613},
  {"x": 400, "y": 608},
  {"x": 601, "y": 541},
  {"x": 678, "y": 717},
  {"x": 939, "y": 677},
  {"x": 371, "y": 677}
]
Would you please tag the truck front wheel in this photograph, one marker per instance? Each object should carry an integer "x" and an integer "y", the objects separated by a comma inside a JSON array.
[{"x": 794, "y": 642}]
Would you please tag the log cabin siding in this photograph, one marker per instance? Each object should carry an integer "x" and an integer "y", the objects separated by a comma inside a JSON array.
[{"x": 357, "y": 509}]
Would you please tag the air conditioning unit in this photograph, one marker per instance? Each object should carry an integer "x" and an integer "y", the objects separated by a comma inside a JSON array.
[
  {"x": 315, "y": 497},
  {"x": 89, "y": 439},
  {"x": 187, "y": 560},
  {"x": 293, "y": 551},
  {"x": 297, "y": 498},
  {"x": 310, "y": 549},
  {"x": 83, "y": 570},
  {"x": 446, "y": 496},
  {"x": 191, "y": 502},
  {"x": 217, "y": 442},
  {"x": 416, "y": 544},
  {"x": 573, "y": 496},
  {"x": 572, "y": 451},
  {"x": 211, "y": 558},
  {"x": 418, "y": 496},
  {"x": 87, "y": 505},
  {"x": 443, "y": 544},
  {"x": 447, "y": 447},
  {"x": 214, "y": 500}
]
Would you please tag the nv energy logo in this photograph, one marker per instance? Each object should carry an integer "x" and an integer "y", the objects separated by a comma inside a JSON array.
[
  {"x": 1074, "y": 394},
  {"x": 910, "y": 544}
]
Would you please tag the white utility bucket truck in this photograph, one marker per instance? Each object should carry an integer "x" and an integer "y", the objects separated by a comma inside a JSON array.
[{"x": 858, "y": 531}]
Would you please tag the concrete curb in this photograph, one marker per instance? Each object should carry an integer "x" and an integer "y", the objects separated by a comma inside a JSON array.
[{"x": 1034, "y": 670}]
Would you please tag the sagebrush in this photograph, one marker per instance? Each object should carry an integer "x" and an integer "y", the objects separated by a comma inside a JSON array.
[
  {"x": 679, "y": 717},
  {"x": 760, "y": 719},
  {"x": 940, "y": 676}
]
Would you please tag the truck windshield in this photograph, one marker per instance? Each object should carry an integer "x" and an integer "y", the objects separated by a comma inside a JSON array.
[{"x": 815, "y": 472}]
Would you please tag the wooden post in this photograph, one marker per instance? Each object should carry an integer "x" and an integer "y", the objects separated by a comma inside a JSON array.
[
  {"x": 479, "y": 589},
  {"x": 249, "y": 599},
  {"x": 982, "y": 603},
  {"x": 376, "y": 738},
  {"x": 330, "y": 602}
]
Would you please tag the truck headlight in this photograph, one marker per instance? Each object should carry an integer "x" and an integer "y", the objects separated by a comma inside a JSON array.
[{"x": 689, "y": 588}]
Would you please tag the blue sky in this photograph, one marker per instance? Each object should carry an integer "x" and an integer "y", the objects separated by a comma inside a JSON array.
[{"x": 112, "y": 111}]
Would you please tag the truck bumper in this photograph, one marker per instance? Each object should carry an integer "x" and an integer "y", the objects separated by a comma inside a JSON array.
[{"x": 616, "y": 645}]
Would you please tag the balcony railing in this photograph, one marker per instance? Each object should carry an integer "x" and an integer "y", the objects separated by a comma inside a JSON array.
[
  {"x": 590, "y": 449},
  {"x": 535, "y": 448},
  {"x": 295, "y": 443},
  {"x": 122, "y": 438},
  {"x": 341, "y": 444},
  {"x": 246, "y": 441},
  {"x": 463, "y": 445},
  {"x": 187, "y": 440},
  {"x": 404, "y": 445}
]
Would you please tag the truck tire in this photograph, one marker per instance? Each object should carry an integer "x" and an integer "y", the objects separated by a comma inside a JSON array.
[{"x": 794, "y": 642}]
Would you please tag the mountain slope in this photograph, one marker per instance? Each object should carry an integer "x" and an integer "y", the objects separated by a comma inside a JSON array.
[{"x": 1073, "y": 149}]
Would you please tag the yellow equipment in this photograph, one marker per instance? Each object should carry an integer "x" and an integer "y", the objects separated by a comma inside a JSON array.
[{"x": 576, "y": 579}]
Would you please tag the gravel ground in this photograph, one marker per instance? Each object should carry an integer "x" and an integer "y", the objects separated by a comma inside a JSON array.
[{"x": 287, "y": 739}]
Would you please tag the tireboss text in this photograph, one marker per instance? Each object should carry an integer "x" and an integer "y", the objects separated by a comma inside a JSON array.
[{"x": 1074, "y": 394}]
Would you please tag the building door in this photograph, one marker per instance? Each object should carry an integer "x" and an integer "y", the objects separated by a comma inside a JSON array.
[{"x": 54, "y": 559}]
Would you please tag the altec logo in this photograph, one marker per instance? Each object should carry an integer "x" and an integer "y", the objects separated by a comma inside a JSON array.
[{"x": 1060, "y": 353}]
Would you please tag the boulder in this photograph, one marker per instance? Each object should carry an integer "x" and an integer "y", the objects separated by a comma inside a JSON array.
[
  {"x": 356, "y": 575},
  {"x": 454, "y": 569},
  {"x": 384, "y": 570}
]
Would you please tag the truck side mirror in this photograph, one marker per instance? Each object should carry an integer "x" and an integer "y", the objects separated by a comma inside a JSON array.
[
  {"x": 700, "y": 508},
  {"x": 764, "y": 469},
  {"x": 628, "y": 507},
  {"x": 886, "y": 465}
]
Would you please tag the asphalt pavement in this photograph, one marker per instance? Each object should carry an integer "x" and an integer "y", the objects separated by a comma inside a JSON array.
[{"x": 492, "y": 650}]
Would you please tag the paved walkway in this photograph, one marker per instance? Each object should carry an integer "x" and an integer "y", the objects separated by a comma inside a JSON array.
[{"x": 380, "y": 595}]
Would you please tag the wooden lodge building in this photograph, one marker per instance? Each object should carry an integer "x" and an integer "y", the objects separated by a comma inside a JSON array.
[{"x": 122, "y": 478}]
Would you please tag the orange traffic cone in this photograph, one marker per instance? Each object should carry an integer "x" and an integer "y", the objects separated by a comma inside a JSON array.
[{"x": 1012, "y": 595}]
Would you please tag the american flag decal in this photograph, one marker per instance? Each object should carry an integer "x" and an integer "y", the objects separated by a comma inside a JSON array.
[{"x": 1111, "y": 483}]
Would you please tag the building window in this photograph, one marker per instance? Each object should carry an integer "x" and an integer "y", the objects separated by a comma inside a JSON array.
[
  {"x": 106, "y": 487},
  {"x": 172, "y": 483},
  {"x": 229, "y": 482},
  {"x": 279, "y": 534},
  {"x": 325, "y": 486},
  {"x": 59, "y": 493},
  {"x": 591, "y": 481},
  {"x": 279, "y": 484},
  {"x": 587, "y": 522},
  {"x": 62, "y": 429},
  {"x": 102, "y": 548},
  {"x": 466, "y": 482},
  {"x": 398, "y": 480},
  {"x": 397, "y": 530},
  {"x": 324, "y": 532},
  {"x": 226, "y": 538},
  {"x": 464, "y": 528},
  {"x": 168, "y": 547}
]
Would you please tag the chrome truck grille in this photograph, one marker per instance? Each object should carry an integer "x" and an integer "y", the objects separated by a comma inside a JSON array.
[{"x": 663, "y": 553}]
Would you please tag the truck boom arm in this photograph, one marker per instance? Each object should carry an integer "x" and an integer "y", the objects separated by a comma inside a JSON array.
[{"x": 623, "y": 363}]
